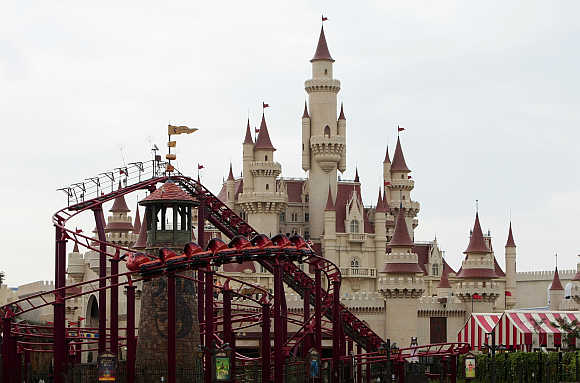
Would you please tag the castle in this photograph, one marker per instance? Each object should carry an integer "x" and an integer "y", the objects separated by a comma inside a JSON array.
[{"x": 400, "y": 286}]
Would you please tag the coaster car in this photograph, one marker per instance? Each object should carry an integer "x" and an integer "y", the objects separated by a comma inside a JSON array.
[
  {"x": 153, "y": 267},
  {"x": 135, "y": 260},
  {"x": 196, "y": 253},
  {"x": 287, "y": 248},
  {"x": 301, "y": 245},
  {"x": 172, "y": 259},
  {"x": 221, "y": 251},
  {"x": 247, "y": 250}
]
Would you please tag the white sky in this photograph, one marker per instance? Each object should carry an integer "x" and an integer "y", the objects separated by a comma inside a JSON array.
[{"x": 487, "y": 90}]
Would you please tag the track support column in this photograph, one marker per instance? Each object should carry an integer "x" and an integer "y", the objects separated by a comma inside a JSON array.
[
  {"x": 209, "y": 326},
  {"x": 200, "y": 302},
  {"x": 100, "y": 223},
  {"x": 266, "y": 343},
  {"x": 171, "y": 327},
  {"x": 115, "y": 304},
  {"x": 308, "y": 339},
  {"x": 336, "y": 338},
  {"x": 7, "y": 351},
  {"x": 278, "y": 325},
  {"x": 228, "y": 332},
  {"x": 130, "y": 333},
  {"x": 318, "y": 307},
  {"x": 359, "y": 365},
  {"x": 58, "y": 308}
]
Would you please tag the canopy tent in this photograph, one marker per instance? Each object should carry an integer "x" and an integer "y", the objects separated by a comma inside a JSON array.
[
  {"x": 476, "y": 329},
  {"x": 516, "y": 329}
]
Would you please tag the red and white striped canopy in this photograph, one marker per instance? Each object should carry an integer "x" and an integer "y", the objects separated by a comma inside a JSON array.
[{"x": 516, "y": 329}]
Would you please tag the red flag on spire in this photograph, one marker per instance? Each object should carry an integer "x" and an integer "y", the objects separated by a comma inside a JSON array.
[
  {"x": 324, "y": 18},
  {"x": 264, "y": 105},
  {"x": 199, "y": 166},
  {"x": 399, "y": 129},
  {"x": 256, "y": 130}
]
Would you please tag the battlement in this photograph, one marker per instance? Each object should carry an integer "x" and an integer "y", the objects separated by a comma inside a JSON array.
[{"x": 544, "y": 275}]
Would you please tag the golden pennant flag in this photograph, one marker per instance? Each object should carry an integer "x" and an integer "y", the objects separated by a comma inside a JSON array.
[
  {"x": 171, "y": 129},
  {"x": 172, "y": 144}
]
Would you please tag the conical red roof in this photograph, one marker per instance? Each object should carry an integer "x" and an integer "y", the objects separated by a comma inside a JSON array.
[
  {"x": 263, "y": 141},
  {"x": 322, "y": 52},
  {"x": 231, "y": 175},
  {"x": 329, "y": 203},
  {"x": 556, "y": 284},
  {"x": 510, "y": 241},
  {"x": 169, "y": 191},
  {"x": 120, "y": 205},
  {"x": 444, "y": 281},
  {"x": 399, "y": 164},
  {"x": 142, "y": 239},
  {"x": 387, "y": 158},
  {"x": 476, "y": 242},
  {"x": 248, "y": 139},
  {"x": 401, "y": 235},
  {"x": 577, "y": 276},
  {"x": 380, "y": 203},
  {"x": 305, "y": 114},
  {"x": 137, "y": 223},
  {"x": 385, "y": 201},
  {"x": 341, "y": 116}
]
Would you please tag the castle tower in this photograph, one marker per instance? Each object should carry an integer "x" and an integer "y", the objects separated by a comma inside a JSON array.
[
  {"x": 329, "y": 243},
  {"x": 262, "y": 199},
  {"x": 230, "y": 189},
  {"x": 444, "y": 287},
  {"x": 510, "y": 270},
  {"x": 556, "y": 291},
  {"x": 323, "y": 135},
  {"x": 576, "y": 285},
  {"x": 476, "y": 287},
  {"x": 400, "y": 187},
  {"x": 402, "y": 285},
  {"x": 119, "y": 227},
  {"x": 167, "y": 224},
  {"x": 387, "y": 175}
]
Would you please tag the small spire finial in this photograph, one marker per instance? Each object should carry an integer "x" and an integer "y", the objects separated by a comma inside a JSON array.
[{"x": 477, "y": 206}]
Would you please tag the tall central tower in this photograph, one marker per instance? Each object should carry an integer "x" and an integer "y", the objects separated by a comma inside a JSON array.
[{"x": 323, "y": 135}]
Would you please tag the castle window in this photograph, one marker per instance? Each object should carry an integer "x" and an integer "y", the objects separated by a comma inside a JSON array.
[
  {"x": 354, "y": 226},
  {"x": 402, "y": 176},
  {"x": 354, "y": 263},
  {"x": 306, "y": 198},
  {"x": 282, "y": 217},
  {"x": 266, "y": 157},
  {"x": 307, "y": 235},
  {"x": 327, "y": 131},
  {"x": 306, "y": 217},
  {"x": 435, "y": 269},
  {"x": 267, "y": 187},
  {"x": 325, "y": 71}
]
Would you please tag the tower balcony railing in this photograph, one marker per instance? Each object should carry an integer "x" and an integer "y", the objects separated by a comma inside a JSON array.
[
  {"x": 401, "y": 282},
  {"x": 357, "y": 237},
  {"x": 358, "y": 272},
  {"x": 266, "y": 196},
  {"x": 338, "y": 141}
]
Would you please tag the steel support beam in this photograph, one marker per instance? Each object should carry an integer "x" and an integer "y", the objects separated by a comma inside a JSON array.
[
  {"x": 200, "y": 303},
  {"x": 266, "y": 343},
  {"x": 209, "y": 326},
  {"x": 100, "y": 223},
  {"x": 359, "y": 365},
  {"x": 318, "y": 307},
  {"x": 278, "y": 332},
  {"x": 114, "y": 314},
  {"x": 171, "y": 327},
  {"x": 336, "y": 338},
  {"x": 308, "y": 338},
  {"x": 227, "y": 326},
  {"x": 130, "y": 333},
  {"x": 58, "y": 308}
]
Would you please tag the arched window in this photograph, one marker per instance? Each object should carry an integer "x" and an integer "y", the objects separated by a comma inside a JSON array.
[
  {"x": 354, "y": 226},
  {"x": 267, "y": 187},
  {"x": 327, "y": 131},
  {"x": 354, "y": 263},
  {"x": 435, "y": 269},
  {"x": 266, "y": 157}
]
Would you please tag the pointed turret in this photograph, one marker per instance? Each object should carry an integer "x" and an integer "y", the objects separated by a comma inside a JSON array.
[
  {"x": 556, "y": 284},
  {"x": 142, "y": 239},
  {"x": 305, "y": 114},
  {"x": 380, "y": 203},
  {"x": 76, "y": 248},
  {"x": 444, "y": 281},
  {"x": 120, "y": 205},
  {"x": 248, "y": 139},
  {"x": 356, "y": 179},
  {"x": 329, "y": 203},
  {"x": 510, "y": 241},
  {"x": 137, "y": 223},
  {"x": 341, "y": 116},
  {"x": 399, "y": 164},
  {"x": 401, "y": 235},
  {"x": 263, "y": 141},
  {"x": 476, "y": 242},
  {"x": 322, "y": 52},
  {"x": 231, "y": 175},
  {"x": 387, "y": 158}
]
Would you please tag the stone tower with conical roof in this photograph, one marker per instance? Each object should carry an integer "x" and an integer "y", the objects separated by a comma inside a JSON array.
[
  {"x": 510, "y": 270},
  {"x": 323, "y": 135},
  {"x": 556, "y": 291},
  {"x": 120, "y": 229},
  {"x": 263, "y": 197}
]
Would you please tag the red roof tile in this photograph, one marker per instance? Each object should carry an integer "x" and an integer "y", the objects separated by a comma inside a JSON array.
[
  {"x": 402, "y": 268},
  {"x": 248, "y": 139},
  {"x": 142, "y": 239},
  {"x": 556, "y": 284},
  {"x": 169, "y": 191},
  {"x": 137, "y": 222},
  {"x": 231, "y": 175},
  {"x": 294, "y": 190},
  {"x": 329, "y": 203},
  {"x": 422, "y": 251},
  {"x": 476, "y": 273},
  {"x": 119, "y": 226},
  {"x": 238, "y": 188},
  {"x": 444, "y": 281},
  {"x": 322, "y": 52},
  {"x": 341, "y": 116},
  {"x": 263, "y": 141},
  {"x": 476, "y": 242},
  {"x": 387, "y": 158},
  {"x": 401, "y": 236},
  {"x": 120, "y": 205},
  {"x": 399, "y": 164},
  {"x": 510, "y": 241},
  {"x": 497, "y": 269},
  {"x": 577, "y": 276},
  {"x": 368, "y": 226},
  {"x": 305, "y": 114}
]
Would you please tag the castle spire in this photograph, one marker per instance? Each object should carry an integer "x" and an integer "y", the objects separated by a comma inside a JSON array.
[
  {"x": 380, "y": 203},
  {"x": 444, "y": 281},
  {"x": 399, "y": 164},
  {"x": 341, "y": 116},
  {"x": 401, "y": 235},
  {"x": 231, "y": 175},
  {"x": 76, "y": 248},
  {"x": 329, "y": 203},
  {"x": 305, "y": 114},
  {"x": 248, "y": 139},
  {"x": 356, "y": 179},
  {"x": 510, "y": 241},
  {"x": 142, "y": 239},
  {"x": 322, "y": 52},
  {"x": 120, "y": 205},
  {"x": 476, "y": 242},
  {"x": 556, "y": 284},
  {"x": 263, "y": 141},
  {"x": 137, "y": 223},
  {"x": 387, "y": 158}
]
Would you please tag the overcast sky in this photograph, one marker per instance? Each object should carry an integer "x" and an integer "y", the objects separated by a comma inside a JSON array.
[{"x": 487, "y": 92}]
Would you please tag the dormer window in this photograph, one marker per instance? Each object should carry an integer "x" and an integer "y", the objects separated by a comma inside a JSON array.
[
  {"x": 435, "y": 269},
  {"x": 354, "y": 226}
]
